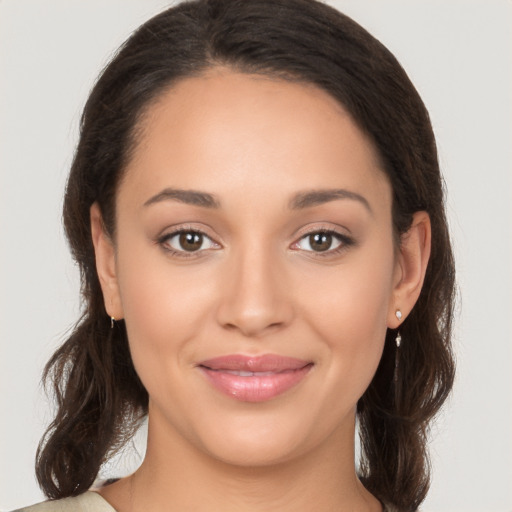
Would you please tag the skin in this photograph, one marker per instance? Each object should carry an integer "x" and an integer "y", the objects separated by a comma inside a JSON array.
[{"x": 256, "y": 286}]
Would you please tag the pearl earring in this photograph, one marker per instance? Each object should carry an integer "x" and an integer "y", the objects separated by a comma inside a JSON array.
[
  {"x": 398, "y": 342},
  {"x": 112, "y": 320},
  {"x": 398, "y": 339}
]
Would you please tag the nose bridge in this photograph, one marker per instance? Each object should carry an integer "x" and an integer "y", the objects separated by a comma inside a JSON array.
[{"x": 254, "y": 298}]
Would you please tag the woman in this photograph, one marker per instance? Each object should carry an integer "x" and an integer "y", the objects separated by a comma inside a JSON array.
[{"x": 257, "y": 211}]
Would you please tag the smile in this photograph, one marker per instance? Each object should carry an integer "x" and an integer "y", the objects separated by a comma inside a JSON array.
[{"x": 254, "y": 379}]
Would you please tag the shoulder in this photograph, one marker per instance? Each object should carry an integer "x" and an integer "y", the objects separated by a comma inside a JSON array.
[{"x": 87, "y": 502}]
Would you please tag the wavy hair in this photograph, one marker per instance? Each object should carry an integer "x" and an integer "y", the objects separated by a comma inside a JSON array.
[{"x": 100, "y": 399}]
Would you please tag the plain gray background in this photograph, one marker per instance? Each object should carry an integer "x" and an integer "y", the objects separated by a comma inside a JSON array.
[{"x": 459, "y": 55}]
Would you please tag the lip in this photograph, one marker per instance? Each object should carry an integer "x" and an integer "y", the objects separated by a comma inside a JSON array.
[{"x": 254, "y": 378}]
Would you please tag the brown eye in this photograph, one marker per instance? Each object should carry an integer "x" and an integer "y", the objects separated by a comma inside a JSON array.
[
  {"x": 320, "y": 241},
  {"x": 190, "y": 241},
  {"x": 323, "y": 241},
  {"x": 187, "y": 242}
]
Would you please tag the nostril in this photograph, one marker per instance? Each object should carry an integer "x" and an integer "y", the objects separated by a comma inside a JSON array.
[{"x": 254, "y": 328}]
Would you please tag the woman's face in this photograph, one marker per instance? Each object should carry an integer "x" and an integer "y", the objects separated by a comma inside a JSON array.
[{"x": 254, "y": 266}]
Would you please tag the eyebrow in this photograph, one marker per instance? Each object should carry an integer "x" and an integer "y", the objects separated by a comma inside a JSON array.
[
  {"x": 299, "y": 201},
  {"x": 310, "y": 198},
  {"x": 193, "y": 197}
]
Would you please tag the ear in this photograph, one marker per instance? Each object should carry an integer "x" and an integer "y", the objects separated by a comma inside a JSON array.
[
  {"x": 105, "y": 264},
  {"x": 411, "y": 266}
]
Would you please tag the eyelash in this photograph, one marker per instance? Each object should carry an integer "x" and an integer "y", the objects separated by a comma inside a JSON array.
[
  {"x": 164, "y": 240},
  {"x": 345, "y": 242}
]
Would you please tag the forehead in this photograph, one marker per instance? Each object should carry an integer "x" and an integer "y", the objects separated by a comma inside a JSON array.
[{"x": 228, "y": 132}]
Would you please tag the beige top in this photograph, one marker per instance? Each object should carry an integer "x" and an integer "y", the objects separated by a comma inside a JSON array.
[{"x": 87, "y": 502}]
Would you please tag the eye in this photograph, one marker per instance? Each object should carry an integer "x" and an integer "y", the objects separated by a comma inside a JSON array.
[
  {"x": 187, "y": 241},
  {"x": 323, "y": 242}
]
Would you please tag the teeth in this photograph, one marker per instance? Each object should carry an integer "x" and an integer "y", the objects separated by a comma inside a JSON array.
[{"x": 242, "y": 373}]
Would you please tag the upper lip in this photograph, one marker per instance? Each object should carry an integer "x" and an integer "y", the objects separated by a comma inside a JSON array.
[{"x": 264, "y": 363}]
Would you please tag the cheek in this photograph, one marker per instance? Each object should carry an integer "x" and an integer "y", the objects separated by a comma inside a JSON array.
[
  {"x": 350, "y": 315},
  {"x": 164, "y": 308}
]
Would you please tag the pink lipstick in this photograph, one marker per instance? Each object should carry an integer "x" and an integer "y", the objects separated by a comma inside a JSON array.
[{"x": 254, "y": 378}]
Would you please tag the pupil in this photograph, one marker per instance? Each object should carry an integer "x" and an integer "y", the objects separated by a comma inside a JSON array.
[
  {"x": 191, "y": 241},
  {"x": 320, "y": 241}
]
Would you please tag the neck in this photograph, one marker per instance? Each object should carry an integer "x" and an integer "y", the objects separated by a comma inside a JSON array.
[{"x": 180, "y": 477}]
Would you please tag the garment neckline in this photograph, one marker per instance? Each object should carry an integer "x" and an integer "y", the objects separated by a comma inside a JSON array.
[{"x": 98, "y": 496}]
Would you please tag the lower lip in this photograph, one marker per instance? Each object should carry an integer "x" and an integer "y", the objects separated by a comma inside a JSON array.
[{"x": 256, "y": 388}]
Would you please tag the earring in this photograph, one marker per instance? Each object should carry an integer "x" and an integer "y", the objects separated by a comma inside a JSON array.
[
  {"x": 398, "y": 339},
  {"x": 398, "y": 342},
  {"x": 112, "y": 320}
]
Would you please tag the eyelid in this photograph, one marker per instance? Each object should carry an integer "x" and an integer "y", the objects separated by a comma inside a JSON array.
[
  {"x": 340, "y": 231},
  {"x": 346, "y": 240},
  {"x": 173, "y": 231}
]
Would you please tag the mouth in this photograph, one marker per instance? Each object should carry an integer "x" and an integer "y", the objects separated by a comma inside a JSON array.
[{"x": 254, "y": 378}]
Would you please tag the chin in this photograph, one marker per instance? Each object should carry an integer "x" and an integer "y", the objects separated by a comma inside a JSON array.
[
  {"x": 260, "y": 449},
  {"x": 257, "y": 437}
]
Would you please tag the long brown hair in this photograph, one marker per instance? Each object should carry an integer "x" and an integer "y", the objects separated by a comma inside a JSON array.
[{"x": 99, "y": 396}]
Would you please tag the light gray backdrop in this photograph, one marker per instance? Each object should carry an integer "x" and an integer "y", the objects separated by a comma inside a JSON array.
[{"x": 458, "y": 53}]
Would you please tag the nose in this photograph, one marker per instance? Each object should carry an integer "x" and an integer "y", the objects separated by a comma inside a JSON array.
[{"x": 255, "y": 297}]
